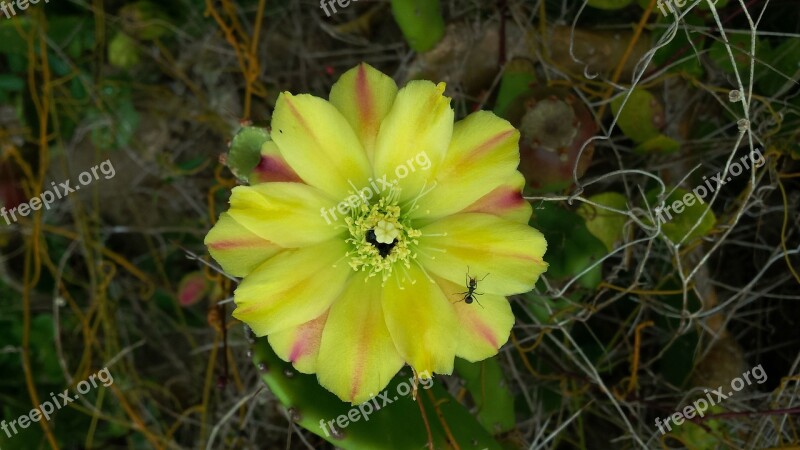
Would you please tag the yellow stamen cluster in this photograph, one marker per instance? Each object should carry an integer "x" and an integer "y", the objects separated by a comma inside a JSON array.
[{"x": 380, "y": 238}]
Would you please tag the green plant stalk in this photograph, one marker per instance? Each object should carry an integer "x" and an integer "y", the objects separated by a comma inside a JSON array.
[{"x": 421, "y": 22}]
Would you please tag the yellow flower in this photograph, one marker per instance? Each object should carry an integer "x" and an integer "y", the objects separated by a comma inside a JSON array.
[{"x": 355, "y": 252}]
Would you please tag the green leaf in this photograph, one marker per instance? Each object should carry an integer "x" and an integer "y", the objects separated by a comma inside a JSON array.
[
  {"x": 124, "y": 119},
  {"x": 245, "y": 151},
  {"x": 13, "y": 43},
  {"x": 485, "y": 382},
  {"x": 740, "y": 48},
  {"x": 607, "y": 226},
  {"x": 784, "y": 61},
  {"x": 685, "y": 209},
  {"x": 571, "y": 247},
  {"x": 548, "y": 309},
  {"x": 123, "y": 52},
  {"x": 658, "y": 144},
  {"x": 11, "y": 83},
  {"x": 421, "y": 22},
  {"x": 609, "y": 4},
  {"x": 696, "y": 437},
  {"x": 517, "y": 80},
  {"x": 639, "y": 118}
]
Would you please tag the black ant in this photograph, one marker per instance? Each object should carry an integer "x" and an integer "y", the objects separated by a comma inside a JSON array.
[{"x": 471, "y": 285}]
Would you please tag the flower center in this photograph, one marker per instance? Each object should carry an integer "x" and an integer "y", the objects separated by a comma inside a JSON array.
[{"x": 381, "y": 237}]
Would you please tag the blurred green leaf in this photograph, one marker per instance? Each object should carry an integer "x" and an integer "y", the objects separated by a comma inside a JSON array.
[
  {"x": 485, "y": 382},
  {"x": 681, "y": 48},
  {"x": 678, "y": 222},
  {"x": 658, "y": 144},
  {"x": 123, "y": 52},
  {"x": 421, "y": 22},
  {"x": 603, "y": 224},
  {"x": 571, "y": 248},
  {"x": 516, "y": 80},
  {"x": 640, "y": 115},
  {"x": 609, "y": 4},
  {"x": 546, "y": 309},
  {"x": 740, "y": 49},
  {"x": 785, "y": 62}
]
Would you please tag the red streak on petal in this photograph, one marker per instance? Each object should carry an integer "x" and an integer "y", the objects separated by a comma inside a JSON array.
[
  {"x": 484, "y": 331},
  {"x": 364, "y": 96},
  {"x": 498, "y": 201},
  {"x": 298, "y": 116},
  {"x": 275, "y": 169},
  {"x": 298, "y": 349},
  {"x": 233, "y": 244},
  {"x": 490, "y": 144},
  {"x": 308, "y": 338},
  {"x": 359, "y": 369}
]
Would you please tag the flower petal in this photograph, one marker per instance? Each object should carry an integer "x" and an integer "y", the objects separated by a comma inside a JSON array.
[
  {"x": 292, "y": 288},
  {"x": 505, "y": 201},
  {"x": 422, "y": 322},
  {"x": 237, "y": 249},
  {"x": 414, "y": 137},
  {"x": 483, "y": 325},
  {"x": 288, "y": 214},
  {"x": 509, "y": 253},
  {"x": 483, "y": 154},
  {"x": 272, "y": 166},
  {"x": 358, "y": 357},
  {"x": 364, "y": 96},
  {"x": 300, "y": 345},
  {"x": 318, "y": 144}
]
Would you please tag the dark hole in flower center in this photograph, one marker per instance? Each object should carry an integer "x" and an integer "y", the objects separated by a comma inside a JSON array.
[{"x": 383, "y": 249}]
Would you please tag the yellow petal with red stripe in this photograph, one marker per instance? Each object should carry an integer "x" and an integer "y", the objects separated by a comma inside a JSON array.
[
  {"x": 293, "y": 287},
  {"x": 509, "y": 252},
  {"x": 421, "y": 320},
  {"x": 482, "y": 156},
  {"x": 288, "y": 214},
  {"x": 318, "y": 143},
  {"x": 483, "y": 325},
  {"x": 505, "y": 201},
  {"x": 364, "y": 96},
  {"x": 357, "y": 357},
  {"x": 237, "y": 249},
  {"x": 300, "y": 345},
  {"x": 414, "y": 136}
]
